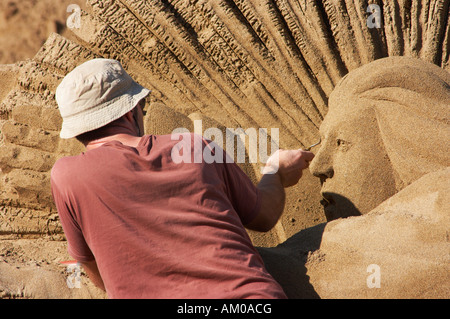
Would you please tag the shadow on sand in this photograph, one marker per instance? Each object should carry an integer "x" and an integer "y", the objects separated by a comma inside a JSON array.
[{"x": 287, "y": 261}]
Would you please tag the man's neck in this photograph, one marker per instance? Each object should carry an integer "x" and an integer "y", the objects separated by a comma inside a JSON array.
[{"x": 125, "y": 139}]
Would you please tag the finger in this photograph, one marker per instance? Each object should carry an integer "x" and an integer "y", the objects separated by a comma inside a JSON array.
[
  {"x": 308, "y": 156},
  {"x": 306, "y": 164},
  {"x": 299, "y": 160},
  {"x": 292, "y": 178}
]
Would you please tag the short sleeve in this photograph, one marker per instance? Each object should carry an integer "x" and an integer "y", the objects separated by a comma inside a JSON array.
[
  {"x": 244, "y": 195},
  {"x": 77, "y": 246}
]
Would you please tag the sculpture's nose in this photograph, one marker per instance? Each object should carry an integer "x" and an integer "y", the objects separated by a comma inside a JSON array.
[{"x": 321, "y": 166}]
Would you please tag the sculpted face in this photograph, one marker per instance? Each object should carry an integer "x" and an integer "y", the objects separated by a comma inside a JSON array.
[
  {"x": 386, "y": 125},
  {"x": 353, "y": 167}
]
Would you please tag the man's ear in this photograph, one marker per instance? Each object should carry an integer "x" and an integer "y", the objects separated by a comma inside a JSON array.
[{"x": 129, "y": 116}]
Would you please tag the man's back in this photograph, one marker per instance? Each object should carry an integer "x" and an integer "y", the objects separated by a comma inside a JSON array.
[{"x": 159, "y": 229}]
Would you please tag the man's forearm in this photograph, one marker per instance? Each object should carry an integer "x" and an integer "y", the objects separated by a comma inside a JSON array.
[
  {"x": 273, "y": 195},
  {"x": 272, "y": 203},
  {"x": 91, "y": 269},
  {"x": 283, "y": 169}
]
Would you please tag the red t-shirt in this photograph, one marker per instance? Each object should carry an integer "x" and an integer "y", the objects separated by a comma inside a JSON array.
[{"x": 161, "y": 229}]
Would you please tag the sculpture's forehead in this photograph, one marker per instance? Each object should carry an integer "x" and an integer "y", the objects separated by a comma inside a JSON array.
[
  {"x": 336, "y": 119},
  {"x": 341, "y": 107},
  {"x": 346, "y": 120}
]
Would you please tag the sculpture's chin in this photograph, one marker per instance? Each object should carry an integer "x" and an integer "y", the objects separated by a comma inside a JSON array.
[
  {"x": 331, "y": 212},
  {"x": 338, "y": 206},
  {"x": 329, "y": 206}
]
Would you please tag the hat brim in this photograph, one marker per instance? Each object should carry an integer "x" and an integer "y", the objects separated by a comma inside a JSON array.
[{"x": 103, "y": 114}]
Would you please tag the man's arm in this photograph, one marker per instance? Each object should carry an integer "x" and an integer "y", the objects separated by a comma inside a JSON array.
[
  {"x": 272, "y": 203},
  {"x": 283, "y": 169},
  {"x": 94, "y": 275}
]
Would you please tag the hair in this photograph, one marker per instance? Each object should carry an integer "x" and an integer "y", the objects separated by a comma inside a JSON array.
[
  {"x": 411, "y": 100},
  {"x": 103, "y": 131}
]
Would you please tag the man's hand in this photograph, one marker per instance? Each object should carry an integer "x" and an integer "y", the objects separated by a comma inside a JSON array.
[
  {"x": 289, "y": 165},
  {"x": 283, "y": 169}
]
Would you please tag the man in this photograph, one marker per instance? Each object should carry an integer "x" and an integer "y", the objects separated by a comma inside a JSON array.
[{"x": 143, "y": 226}]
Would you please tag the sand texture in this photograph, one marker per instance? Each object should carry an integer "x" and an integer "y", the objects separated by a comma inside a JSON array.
[{"x": 310, "y": 68}]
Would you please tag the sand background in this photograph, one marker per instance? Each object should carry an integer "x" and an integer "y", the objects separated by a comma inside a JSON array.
[{"x": 24, "y": 27}]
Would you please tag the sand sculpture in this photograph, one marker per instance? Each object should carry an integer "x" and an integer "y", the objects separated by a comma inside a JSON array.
[
  {"x": 251, "y": 64},
  {"x": 386, "y": 123}
]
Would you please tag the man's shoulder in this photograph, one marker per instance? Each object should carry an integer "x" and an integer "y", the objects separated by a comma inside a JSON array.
[
  {"x": 177, "y": 136},
  {"x": 63, "y": 169},
  {"x": 185, "y": 139}
]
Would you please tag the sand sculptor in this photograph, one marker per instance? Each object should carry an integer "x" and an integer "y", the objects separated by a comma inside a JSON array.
[{"x": 179, "y": 226}]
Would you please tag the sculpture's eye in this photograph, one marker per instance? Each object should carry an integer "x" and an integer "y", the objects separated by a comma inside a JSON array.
[{"x": 342, "y": 144}]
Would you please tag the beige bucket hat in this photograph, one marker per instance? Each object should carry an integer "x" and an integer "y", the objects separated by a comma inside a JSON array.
[{"x": 94, "y": 94}]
